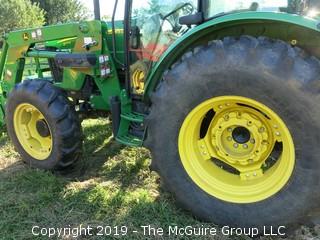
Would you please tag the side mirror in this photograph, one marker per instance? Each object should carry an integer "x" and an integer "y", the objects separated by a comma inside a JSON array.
[
  {"x": 135, "y": 37},
  {"x": 193, "y": 19}
]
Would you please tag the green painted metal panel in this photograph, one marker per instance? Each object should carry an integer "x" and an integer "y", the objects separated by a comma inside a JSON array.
[
  {"x": 98, "y": 102},
  {"x": 19, "y": 46},
  {"x": 2, "y": 122},
  {"x": 237, "y": 23},
  {"x": 2, "y": 104},
  {"x": 67, "y": 43},
  {"x": 119, "y": 37},
  {"x": 41, "y": 54},
  {"x": 50, "y": 33},
  {"x": 3, "y": 57},
  {"x": 72, "y": 80}
]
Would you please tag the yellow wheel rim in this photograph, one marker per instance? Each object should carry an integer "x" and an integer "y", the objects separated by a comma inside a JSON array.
[
  {"x": 138, "y": 80},
  {"x": 32, "y": 131},
  {"x": 236, "y": 149}
]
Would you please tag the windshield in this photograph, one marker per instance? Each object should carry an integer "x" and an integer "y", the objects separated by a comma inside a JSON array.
[{"x": 216, "y": 7}]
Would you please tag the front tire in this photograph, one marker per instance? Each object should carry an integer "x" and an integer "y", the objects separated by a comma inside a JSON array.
[
  {"x": 43, "y": 125},
  {"x": 266, "y": 83}
]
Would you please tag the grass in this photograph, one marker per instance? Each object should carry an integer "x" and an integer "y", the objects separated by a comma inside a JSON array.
[{"x": 111, "y": 185}]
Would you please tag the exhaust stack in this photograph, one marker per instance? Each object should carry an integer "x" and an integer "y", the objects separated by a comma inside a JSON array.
[{"x": 96, "y": 4}]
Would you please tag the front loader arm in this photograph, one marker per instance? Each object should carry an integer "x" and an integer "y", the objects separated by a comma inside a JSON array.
[{"x": 19, "y": 45}]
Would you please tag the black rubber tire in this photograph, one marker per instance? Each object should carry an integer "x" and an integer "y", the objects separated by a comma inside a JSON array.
[
  {"x": 272, "y": 72},
  {"x": 60, "y": 116}
]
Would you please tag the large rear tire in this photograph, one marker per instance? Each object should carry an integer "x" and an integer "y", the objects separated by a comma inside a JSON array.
[
  {"x": 234, "y": 132},
  {"x": 43, "y": 125}
]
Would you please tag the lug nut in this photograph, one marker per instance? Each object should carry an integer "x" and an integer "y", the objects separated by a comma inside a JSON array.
[
  {"x": 229, "y": 129},
  {"x": 261, "y": 130},
  {"x": 253, "y": 141},
  {"x": 245, "y": 146},
  {"x": 229, "y": 138},
  {"x": 236, "y": 145},
  {"x": 278, "y": 133}
]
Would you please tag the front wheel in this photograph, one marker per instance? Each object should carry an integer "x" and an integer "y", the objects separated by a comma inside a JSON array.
[
  {"x": 234, "y": 131},
  {"x": 43, "y": 125}
]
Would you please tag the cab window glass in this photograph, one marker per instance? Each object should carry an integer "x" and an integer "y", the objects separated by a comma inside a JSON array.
[{"x": 154, "y": 28}]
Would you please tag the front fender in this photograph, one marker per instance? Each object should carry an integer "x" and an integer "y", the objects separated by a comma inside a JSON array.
[{"x": 295, "y": 29}]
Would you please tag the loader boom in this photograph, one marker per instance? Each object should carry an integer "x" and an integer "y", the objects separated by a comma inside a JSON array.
[{"x": 83, "y": 55}]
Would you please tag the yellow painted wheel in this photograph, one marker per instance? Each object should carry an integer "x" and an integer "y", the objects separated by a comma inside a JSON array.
[
  {"x": 138, "y": 78},
  {"x": 138, "y": 72},
  {"x": 43, "y": 125},
  {"x": 236, "y": 149},
  {"x": 32, "y": 131}
]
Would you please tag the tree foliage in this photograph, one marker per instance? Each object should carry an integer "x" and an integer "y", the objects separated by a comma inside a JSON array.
[
  {"x": 17, "y": 14},
  {"x": 61, "y": 11}
]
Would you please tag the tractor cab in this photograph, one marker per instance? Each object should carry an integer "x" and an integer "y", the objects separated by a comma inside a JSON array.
[{"x": 156, "y": 25}]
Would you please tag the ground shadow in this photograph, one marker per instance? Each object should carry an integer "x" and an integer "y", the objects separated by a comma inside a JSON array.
[{"x": 98, "y": 146}]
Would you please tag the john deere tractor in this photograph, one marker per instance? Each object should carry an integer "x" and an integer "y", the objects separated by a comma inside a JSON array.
[{"x": 225, "y": 94}]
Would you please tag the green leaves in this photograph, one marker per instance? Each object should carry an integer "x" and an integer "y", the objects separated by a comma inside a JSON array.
[
  {"x": 17, "y": 14},
  {"x": 61, "y": 11}
]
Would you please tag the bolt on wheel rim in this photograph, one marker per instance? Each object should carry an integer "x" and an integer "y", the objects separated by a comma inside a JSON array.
[
  {"x": 28, "y": 121},
  {"x": 246, "y": 154}
]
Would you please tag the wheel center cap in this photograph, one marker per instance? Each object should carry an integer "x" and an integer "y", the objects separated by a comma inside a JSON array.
[
  {"x": 241, "y": 135},
  {"x": 42, "y": 128}
]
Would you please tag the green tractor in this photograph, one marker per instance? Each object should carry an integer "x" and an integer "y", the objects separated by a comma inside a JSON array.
[{"x": 225, "y": 94}]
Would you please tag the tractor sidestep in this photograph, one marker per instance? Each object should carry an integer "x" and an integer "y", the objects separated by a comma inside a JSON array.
[
  {"x": 127, "y": 137},
  {"x": 130, "y": 140},
  {"x": 133, "y": 117}
]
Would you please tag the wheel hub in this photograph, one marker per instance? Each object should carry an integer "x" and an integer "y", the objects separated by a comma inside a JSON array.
[
  {"x": 229, "y": 160},
  {"x": 240, "y": 138},
  {"x": 241, "y": 135},
  {"x": 42, "y": 128}
]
